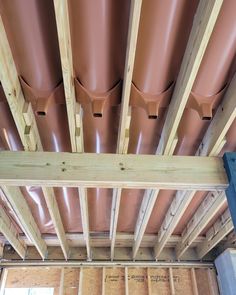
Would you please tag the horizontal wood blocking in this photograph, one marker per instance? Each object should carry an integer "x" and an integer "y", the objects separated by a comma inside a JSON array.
[{"x": 112, "y": 170}]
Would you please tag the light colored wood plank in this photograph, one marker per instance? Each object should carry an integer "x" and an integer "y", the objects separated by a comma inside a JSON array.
[
  {"x": 74, "y": 109},
  {"x": 125, "y": 115},
  {"x": 112, "y": 170},
  {"x": 172, "y": 286},
  {"x": 174, "y": 213},
  {"x": 9, "y": 231},
  {"x": 11, "y": 85},
  {"x": 4, "y": 274},
  {"x": 194, "y": 282},
  {"x": 145, "y": 211},
  {"x": 62, "y": 282},
  {"x": 211, "y": 145},
  {"x": 114, "y": 218},
  {"x": 22, "y": 211},
  {"x": 126, "y": 281},
  {"x": 56, "y": 219},
  {"x": 25, "y": 121},
  {"x": 220, "y": 124},
  {"x": 203, "y": 217},
  {"x": 135, "y": 11},
  {"x": 220, "y": 229},
  {"x": 85, "y": 219},
  {"x": 203, "y": 26},
  {"x": 63, "y": 30},
  {"x": 101, "y": 240}
]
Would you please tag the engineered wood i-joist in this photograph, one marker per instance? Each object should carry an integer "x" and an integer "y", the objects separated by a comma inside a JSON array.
[
  {"x": 203, "y": 25},
  {"x": 74, "y": 109}
]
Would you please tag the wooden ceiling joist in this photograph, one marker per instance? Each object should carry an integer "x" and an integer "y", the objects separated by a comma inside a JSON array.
[
  {"x": 112, "y": 170},
  {"x": 203, "y": 25},
  {"x": 219, "y": 230},
  {"x": 211, "y": 145},
  {"x": 11, "y": 234},
  {"x": 26, "y": 125},
  {"x": 208, "y": 208},
  {"x": 125, "y": 116},
  {"x": 74, "y": 109},
  {"x": 24, "y": 215}
]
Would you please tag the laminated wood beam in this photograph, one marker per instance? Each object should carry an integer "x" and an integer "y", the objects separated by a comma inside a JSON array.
[
  {"x": 203, "y": 25},
  {"x": 23, "y": 116},
  {"x": 74, "y": 109},
  {"x": 24, "y": 215},
  {"x": 9, "y": 231},
  {"x": 211, "y": 145},
  {"x": 220, "y": 229},
  {"x": 125, "y": 117},
  {"x": 112, "y": 170}
]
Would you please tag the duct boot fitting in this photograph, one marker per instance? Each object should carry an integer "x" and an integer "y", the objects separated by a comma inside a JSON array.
[
  {"x": 98, "y": 100},
  {"x": 42, "y": 100},
  {"x": 205, "y": 105},
  {"x": 151, "y": 103}
]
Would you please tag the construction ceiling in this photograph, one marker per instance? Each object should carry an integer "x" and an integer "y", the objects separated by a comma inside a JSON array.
[{"x": 135, "y": 77}]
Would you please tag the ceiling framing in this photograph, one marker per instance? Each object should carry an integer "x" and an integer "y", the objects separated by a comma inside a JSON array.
[{"x": 152, "y": 172}]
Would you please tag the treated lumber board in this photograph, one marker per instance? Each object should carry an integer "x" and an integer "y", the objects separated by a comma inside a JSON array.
[
  {"x": 114, "y": 218},
  {"x": 220, "y": 229},
  {"x": 123, "y": 135},
  {"x": 145, "y": 211},
  {"x": 23, "y": 213},
  {"x": 64, "y": 38},
  {"x": 226, "y": 113},
  {"x": 112, "y": 170},
  {"x": 85, "y": 219},
  {"x": 125, "y": 114},
  {"x": 56, "y": 219},
  {"x": 211, "y": 145},
  {"x": 24, "y": 118},
  {"x": 203, "y": 25},
  {"x": 9, "y": 231},
  {"x": 204, "y": 217},
  {"x": 74, "y": 109}
]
